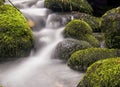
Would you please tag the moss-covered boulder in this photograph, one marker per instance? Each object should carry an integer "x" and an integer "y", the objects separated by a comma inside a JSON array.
[
  {"x": 93, "y": 21},
  {"x": 68, "y": 46},
  {"x": 114, "y": 10},
  {"x": 80, "y": 30},
  {"x": 77, "y": 29},
  {"x": 91, "y": 39},
  {"x": 82, "y": 59},
  {"x": 111, "y": 28},
  {"x": 16, "y": 39},
  {"x": 104, "y": 73},
  {"x": 99, "y": 36},
  {"x": 69, "y": 5}
]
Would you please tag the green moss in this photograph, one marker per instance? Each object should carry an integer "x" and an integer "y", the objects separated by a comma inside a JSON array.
[
  {"x": 104, "y": 73},
  {"x": 100, "y": 36},
  {"x": 16, "y": 39},
  {"x": 80, "y": 30},
  {"x": 69, "y": 5},
  {"x": 82, "y": 59},
  {"x": 68, "y": 46},
  {"x": 111, "y": 28},
  {"x": 94, "y": 22},
  {"x": 91, "y": 39},
  {"x": 77, "y": 29}
]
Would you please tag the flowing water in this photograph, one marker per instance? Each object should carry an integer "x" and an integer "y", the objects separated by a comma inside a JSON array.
[{"x": 40, "y": 69}]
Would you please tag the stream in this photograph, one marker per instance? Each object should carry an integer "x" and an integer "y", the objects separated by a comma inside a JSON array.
[{"x": 40, "y": 69}]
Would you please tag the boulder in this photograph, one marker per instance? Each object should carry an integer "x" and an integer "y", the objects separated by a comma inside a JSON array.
[
  {"x": 94, "y": 22},
  {"x": 69, "y": 5},
  {"x": 80, "y": 30},
  {"x": 111, "y": 27},
  {"x": 82, "y": 59},
  {"x": 16, "y": 38},
  {"x": 103, "y": 73},
  {"x": 68, "y": 46}
]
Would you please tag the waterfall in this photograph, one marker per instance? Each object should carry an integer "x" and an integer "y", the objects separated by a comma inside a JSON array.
[{"x": 40, "y": 69}]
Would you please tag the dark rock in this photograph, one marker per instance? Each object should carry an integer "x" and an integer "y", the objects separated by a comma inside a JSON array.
[{"x": 65, "y": 48}]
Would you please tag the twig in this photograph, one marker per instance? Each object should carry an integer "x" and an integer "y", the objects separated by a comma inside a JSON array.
[{"x": 14, "y": 6}]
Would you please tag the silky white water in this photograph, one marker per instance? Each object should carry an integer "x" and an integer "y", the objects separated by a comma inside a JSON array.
[{"x": 40, "y": 69}]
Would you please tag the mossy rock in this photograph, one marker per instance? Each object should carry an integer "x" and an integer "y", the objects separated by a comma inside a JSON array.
[
  {"x": 112, "y": 22},
  {"x": 91, "y": 39},
  {"x": 82, "y": 59},
  {"x": 77, "y": 29},
  {"x": 99, "y": 36},
  {"x": 104, "y": 73},
  {"x": 68, "y": 46},
  {"x": 94, "y": 22},
  {"x": 114, "y": 10},
  {"x": 69, "y": 5},
  {"x": 16, "y": 39},
  {"x": 111, "y": 27},
  {"x": 80, "y": 30}
]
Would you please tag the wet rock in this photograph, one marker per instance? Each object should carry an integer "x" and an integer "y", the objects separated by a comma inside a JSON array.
[{"x": 65, "y": 48}]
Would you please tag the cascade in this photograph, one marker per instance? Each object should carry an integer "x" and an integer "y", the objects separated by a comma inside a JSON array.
[{"x": 40, "y": 69}]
